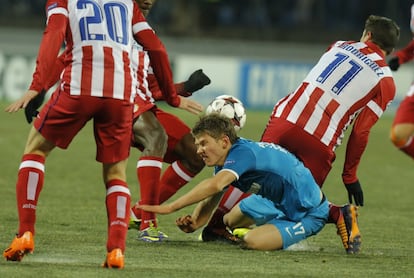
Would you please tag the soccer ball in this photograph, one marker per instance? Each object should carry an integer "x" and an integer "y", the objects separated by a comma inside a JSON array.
[{"x": 229, "y": 107}]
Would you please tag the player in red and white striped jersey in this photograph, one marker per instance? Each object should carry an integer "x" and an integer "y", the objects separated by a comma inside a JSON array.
[
  {"x": 96, "y": 83},
  {"x": 162, "y": 137},
  {"x": 350, "y": 84},
  {"x": 402, "y": 130},
  {"x": 148, "y": 134}
]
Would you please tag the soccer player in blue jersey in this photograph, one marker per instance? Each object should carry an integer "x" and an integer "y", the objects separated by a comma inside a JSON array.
[{"x": 286, "y": 204}]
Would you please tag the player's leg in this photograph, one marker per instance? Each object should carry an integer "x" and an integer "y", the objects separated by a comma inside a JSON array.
[
  {"x": 402, "y": 130},
  {"x": 181, "y": 154},
  {"x": 118, "y": 203},
  {"x": 149, "y": 133},
  {"x": 28, "y": 187},
  {"x": 264, "y": 237},
  {"x": 402, "y": 136},
  {"x": 112, "y": 130},
  {"x": 182, "y": 170},
  {"x": 274, "y": 231},
  {"x": 215, "y": 228},
  {"x": 54, "y": 124},
  {"x": 235, "y": 218}
]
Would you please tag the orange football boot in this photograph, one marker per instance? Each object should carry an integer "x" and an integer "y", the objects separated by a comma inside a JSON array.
[
  {"x": 114, "y": 259},
  {"x": 19, "y": 247},
  {"x": 348, "y": 230}
]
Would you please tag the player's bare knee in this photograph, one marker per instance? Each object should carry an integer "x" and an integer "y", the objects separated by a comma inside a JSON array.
[
  {"x": 398, "y": 137},
  {"x": 256, "y": 241},
  {"x": 154, "y": 141},
  {"x": 160, "y": 138}
]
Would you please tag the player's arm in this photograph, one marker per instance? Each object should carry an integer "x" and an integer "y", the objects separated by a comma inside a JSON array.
[
  {"x": 162, "y": 71},
  {"x": 48, "y": 51},
  {"x": 402, "y": 56},
  {"x": 146, "y": 37},
  {"x": 197, "y": 80},
  {"x": 31, "y": 110},
  {"x": 201, "y": 191},
  {"x": 201, "y": 214},
  {"x": 359, "y": 136},
  {"x": 357, "y": 143}
]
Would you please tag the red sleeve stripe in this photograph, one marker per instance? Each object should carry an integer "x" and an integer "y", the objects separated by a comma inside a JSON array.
[
  {"x": 375, "y": 108},
  {"x": 141, "y": 26},
  {"x": 58, "y": 10}
]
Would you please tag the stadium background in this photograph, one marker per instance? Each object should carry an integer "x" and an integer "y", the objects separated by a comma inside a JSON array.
[
  {"x": 71, "y": 231},
  {"x": 257, "y": 50}
]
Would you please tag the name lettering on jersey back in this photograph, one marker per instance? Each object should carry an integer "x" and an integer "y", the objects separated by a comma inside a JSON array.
[
  {"x": 272, "y": 146},
  {"x": 362, "y": 57}
]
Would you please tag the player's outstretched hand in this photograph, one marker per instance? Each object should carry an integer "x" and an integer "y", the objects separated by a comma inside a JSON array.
[
  {"x": 185, "y": 223},
  {"x": 196, "y": 81},
  {"x": 394, "y": 63},
  {"x": 21, "y": 102},
  {"x": 30, "y": 110},
  {"x": 190, "y": 105},
  {"x": 355, "y": 192}
]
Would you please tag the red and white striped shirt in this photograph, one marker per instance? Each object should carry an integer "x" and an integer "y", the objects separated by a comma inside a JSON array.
[
  {"x": 349, "y": 78},
  {"x": 98, "y": 38},
  {"x": 148, "y": 87},
  {"x": 141, "y": 64}
]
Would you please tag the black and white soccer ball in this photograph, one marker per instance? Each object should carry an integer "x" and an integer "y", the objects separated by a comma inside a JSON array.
[{"x": 230, "y": 107}]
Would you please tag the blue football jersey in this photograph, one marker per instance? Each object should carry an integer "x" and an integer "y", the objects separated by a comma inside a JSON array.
[{"x": 271, "y": 171}]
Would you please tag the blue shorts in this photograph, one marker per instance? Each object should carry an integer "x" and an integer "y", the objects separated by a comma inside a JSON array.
[{"x": 263, "y": 211}]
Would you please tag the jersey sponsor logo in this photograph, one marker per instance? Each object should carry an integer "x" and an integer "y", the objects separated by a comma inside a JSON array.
[
  {"x": 118, "y": 222},
  {"x": 30, "y": 206}
]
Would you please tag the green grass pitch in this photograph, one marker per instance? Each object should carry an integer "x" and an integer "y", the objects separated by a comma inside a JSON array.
[{"x": 71, "y": 222}]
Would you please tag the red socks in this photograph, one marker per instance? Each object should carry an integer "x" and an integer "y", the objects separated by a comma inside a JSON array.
[
  {"x": 118, "y": 202},
  {"x": 334, "y": 212},
  {"x": 29, "y": 184},
  {"x": 174, "y": 177},
  {"x": 230, "y": 198},
  {"x": 149, "y": 172}
]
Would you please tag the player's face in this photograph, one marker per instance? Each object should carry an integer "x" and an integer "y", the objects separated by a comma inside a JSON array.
[
  {"x": 145, "y": 6},
  {"x": 212, "y": 151}
]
